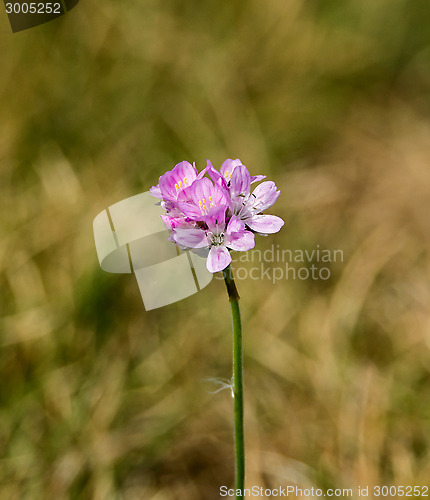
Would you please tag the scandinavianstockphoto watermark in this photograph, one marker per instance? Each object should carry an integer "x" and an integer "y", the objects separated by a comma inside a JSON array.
[
  {"x": 131, "y": 237},
  {"x": 277, "y": 263}
]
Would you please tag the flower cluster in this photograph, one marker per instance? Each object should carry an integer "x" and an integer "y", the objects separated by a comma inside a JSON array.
[{"x": 220, "y": 212}]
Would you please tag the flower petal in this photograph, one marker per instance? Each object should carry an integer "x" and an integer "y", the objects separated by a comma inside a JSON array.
[
  {"x": 172, "y": 182},
  {"x": 257, "y": 178},
  {"x": 215, "y": 175},
  {"x": 205, "y": 194},
  {"x": 228, "y": 166},
  {"x": 206, "y": 169},
  {"x": 155, "y": 191},
  {"x": 218, "y": 259},
  {"x": 241, "y": 242},
  {"x": 240, "y": 182},
  {"x": 190, "y": 210},
  {"x": 170, "y": 222},
  {"x": 267, "y": 224},
  {"x": 266, "y": 195},
  {"x": 191, "y": 238},
  {"x": 215, "y": 219},
  {"x": 235, "y": 225}
]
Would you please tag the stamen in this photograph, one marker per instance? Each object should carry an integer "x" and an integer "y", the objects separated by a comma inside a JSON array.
[
  {"x": 210, "y": 198},
  {"x": 177, "y": 187},
  {"x": 200, "y": 202},
  {"x": 185, "y": 181},
  {"x": 204, "y": 201},
  {"x": 226, "y": 175}
]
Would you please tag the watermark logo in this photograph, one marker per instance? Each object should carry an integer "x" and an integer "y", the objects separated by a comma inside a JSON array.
[
  {"x": 277, "y": 264},
  {"x": 25, "y": 14},
  {"x": 131, "y": 237}
]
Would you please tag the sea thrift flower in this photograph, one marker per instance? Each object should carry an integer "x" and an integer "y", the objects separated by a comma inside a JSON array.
[
  {"x": 174, "y": 181},
  {"x": 246, "y": 205},
  {"x": 201, "y": 199},
  {"x": 221, "y": 215},
  {"x": 226, "y": 171},
  {"x": 218, "y": 236}
]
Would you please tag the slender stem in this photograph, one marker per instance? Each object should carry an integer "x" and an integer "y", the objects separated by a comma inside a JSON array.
[{"x": 239, "y": 440}]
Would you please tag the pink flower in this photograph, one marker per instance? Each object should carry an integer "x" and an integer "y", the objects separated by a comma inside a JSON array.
[
  {"x": 263, "y": 197},
  {"x": 246, "y": 205},
  {"x": 226, "y": 171},
  {"x": 201, "y": 199},
  {"x": 174, "y": 181},
  {"x": 221, "y": 215},
  {"x": 218, "y": 236}
]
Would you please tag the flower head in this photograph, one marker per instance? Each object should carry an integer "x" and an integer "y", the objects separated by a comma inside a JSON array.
[
  {"x": 201, "y": 199},
  {"x": 219, "y": 214}
]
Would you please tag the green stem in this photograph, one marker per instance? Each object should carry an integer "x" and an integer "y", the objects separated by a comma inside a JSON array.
[{"x": 239, "y": 440}]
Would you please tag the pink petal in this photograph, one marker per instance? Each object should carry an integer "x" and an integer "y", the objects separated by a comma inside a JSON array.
[
  {"x": 169, "y": 221},
  {"x": 203, "y": 191},
  {"x": 155, "y": 191},
  {"x": 266, "y": 224},
  {"x": 191, "y": 238},
  {"x": 212, "y": 170},
  {"x": 172, "y": 182},
  {"x": 240, "y": 181},
  {"x": 174, "y": 222},
  {"x": 185, "y": 169},
  {"x": 190, "y": 210},
  {"x": 200, "y": 189},
  {"x": 228, "y": 166},
  {"x": 257, "y": 178},
  {"x": 185, "y": 195},
  {"x": 266, "y": 195},
  {"x": 218, "y": 259},
  {"x": 216, "y": 219},
  {"x": 206, "y": 169},
  {"x": 241, "y": 241},
  {"x": 235, "y": 225}
]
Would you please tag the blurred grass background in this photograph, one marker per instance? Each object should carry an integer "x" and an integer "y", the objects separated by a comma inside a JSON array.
[{"x": 100, "y": 399}]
